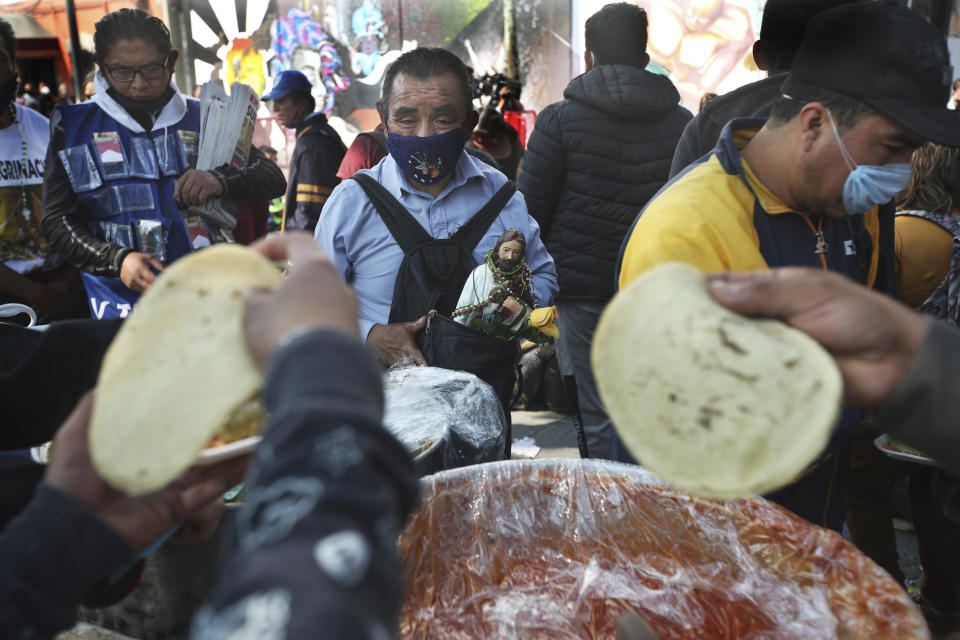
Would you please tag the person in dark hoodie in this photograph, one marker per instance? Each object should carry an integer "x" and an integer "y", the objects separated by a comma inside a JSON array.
[
  {"x": 593, "y": 161},
  {"x": 780, "y": 33}
]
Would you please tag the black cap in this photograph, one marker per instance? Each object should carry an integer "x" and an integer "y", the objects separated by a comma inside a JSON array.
[{"x": 889, "y": 57}]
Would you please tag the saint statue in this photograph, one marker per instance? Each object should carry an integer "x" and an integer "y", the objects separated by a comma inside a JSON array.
[{"x": 498, "y": 297}]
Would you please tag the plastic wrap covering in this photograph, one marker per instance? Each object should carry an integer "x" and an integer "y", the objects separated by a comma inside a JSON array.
[
  {"x": 561, "y": 549},
  {"x": 427, "y": 405}
]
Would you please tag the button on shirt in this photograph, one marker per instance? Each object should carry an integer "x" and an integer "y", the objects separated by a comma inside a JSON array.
[{"x": 352, "y": 233}]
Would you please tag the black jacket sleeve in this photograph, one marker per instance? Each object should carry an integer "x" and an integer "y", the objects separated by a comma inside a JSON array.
[
  {"x": 689, "y": 146},
  {"x": 328, "y": 491},
  {"x": 312, "y": 179},
  {"x": 261, "y": 180},
  {"x": 544, "y": 170},
  {"x": 50, "y": 558},
  {"x": 924, "y": 411},
  {"x": 63, "y": 221}
]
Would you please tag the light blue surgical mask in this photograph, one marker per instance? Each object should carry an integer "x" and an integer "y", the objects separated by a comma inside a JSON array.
[{"x": 869, "y": 185}]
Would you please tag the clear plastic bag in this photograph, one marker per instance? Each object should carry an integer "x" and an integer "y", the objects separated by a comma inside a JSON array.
[
  {"x": 428, "y": 405},
  {"x": 563, "y": 548}
]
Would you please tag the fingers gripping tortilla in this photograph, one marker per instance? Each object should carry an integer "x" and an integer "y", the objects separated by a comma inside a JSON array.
[
  {"x": 178, "y": 369},
  {"x": 717, "y": 404}
]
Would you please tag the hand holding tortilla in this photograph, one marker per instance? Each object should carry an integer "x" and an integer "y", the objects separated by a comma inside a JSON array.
[
  {"x": 871, "y": 336},
  {"x": 178, "y": 370},
  {"x": 313, "y": 295},
  {"x": 139, "y": 520},
  {"x": 715, "y": 403}
]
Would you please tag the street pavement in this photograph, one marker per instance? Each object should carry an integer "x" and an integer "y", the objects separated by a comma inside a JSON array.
[{"x": 553, "y": 433}]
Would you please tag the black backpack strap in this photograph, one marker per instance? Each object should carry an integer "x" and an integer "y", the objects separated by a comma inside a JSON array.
[
  {"x": 406, "y": 231},
  {"x": 472, "y": 232}
]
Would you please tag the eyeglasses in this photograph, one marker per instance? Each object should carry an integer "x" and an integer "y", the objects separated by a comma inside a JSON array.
[{"x": 152, "y": 71}]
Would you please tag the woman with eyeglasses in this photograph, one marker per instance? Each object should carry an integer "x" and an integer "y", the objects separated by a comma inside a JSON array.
[{"x": 119, "y": 174}]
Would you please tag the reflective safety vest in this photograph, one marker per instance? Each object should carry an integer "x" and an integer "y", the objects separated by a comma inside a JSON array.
[{"x": 124, "y": 181}]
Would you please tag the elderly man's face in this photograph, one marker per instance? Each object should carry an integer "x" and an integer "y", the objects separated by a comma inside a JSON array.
[
  {"x": 427, "y": 107},
  {"x": 874, "y": 140}
]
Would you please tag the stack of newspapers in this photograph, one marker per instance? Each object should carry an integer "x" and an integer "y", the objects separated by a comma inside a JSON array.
[{"x": 226, "y": 131}]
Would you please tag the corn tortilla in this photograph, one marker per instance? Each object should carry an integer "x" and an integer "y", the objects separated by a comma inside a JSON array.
[
  {"x": 715, "y": 403},
  {"x": 177, "y": 370}
]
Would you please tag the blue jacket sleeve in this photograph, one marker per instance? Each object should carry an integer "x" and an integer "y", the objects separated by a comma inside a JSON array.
[
  {"x": 312, "y": 179},
  {"x": 315, "y": 542}
]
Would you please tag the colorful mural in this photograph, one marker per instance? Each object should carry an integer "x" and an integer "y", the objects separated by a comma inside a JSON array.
[
  {"x": 344, "y": 46},
  {"x": 370, "y": 33},
  {"x": 705, "y": 46},
  {"x": 244, "y": 63},
  {"x": 301, "y": 43}
]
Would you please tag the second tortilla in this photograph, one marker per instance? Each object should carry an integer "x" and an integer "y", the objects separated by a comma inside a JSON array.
[{"x": 717, "y": 404}]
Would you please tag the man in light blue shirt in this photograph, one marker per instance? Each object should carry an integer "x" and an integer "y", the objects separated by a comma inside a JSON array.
[{"x": 427, "y": 111}]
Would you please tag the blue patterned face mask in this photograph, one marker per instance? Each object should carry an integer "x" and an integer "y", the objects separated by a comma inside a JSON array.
[
  {"x": 426, "y": 160},
  {"x": 869, "y": 185}
]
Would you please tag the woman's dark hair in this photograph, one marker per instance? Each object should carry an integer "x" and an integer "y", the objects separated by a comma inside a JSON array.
[
  {"x": 934, "y": 182},
  {"x": 129, "y": 24}
]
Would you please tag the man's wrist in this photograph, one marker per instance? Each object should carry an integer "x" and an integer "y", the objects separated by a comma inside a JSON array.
[
  {"x": 221, "y": 179},
  {"x": 367, "y": 327},
  {"x": 122, "y": 254}
]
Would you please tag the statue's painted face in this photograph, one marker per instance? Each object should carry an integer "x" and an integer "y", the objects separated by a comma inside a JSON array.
[{"x": 510, "y": 254}]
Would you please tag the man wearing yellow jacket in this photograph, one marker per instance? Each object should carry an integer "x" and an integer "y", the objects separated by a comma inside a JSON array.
[{"x": 812, "y": 185}]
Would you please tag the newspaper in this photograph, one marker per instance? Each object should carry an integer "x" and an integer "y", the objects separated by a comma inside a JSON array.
[{"x": 226, "y": 132}]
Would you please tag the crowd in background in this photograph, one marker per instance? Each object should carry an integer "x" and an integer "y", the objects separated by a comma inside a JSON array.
[{"x": 843, "y": 159}]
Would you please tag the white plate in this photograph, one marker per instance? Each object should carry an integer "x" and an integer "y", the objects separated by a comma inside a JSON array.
[
  {"x": 883, "y": 443},
  {"x": 232, "y": 450}
]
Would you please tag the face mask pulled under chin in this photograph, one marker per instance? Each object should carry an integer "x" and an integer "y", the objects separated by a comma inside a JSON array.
[
  {"x": 8, "y": 91},
  {"x": 868, "y": 185},
  {"x": 426, "y": 160}
]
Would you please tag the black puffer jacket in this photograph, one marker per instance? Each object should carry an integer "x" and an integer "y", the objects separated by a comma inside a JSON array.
[{"x": 593, "y": 161}]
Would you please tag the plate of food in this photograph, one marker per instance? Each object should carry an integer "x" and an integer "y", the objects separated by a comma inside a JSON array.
[
  {"x": 219, "y": 452},
  {"x": 178, "y": 386},
  {"x": 899, "y": 451}
]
